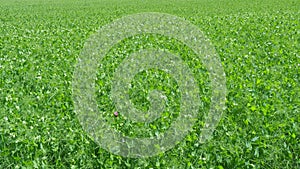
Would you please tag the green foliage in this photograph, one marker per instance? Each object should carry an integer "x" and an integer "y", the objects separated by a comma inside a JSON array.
[{"x": 257, "y": 41}]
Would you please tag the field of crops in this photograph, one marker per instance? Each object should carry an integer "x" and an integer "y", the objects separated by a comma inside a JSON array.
[{"x": 258, "y": 44}]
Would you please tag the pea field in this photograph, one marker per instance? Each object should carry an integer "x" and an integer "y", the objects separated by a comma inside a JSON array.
[{"x": 257, "y": 43}]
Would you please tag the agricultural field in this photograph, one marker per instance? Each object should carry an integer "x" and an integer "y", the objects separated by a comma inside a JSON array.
[{"x": 257, "y": 42}]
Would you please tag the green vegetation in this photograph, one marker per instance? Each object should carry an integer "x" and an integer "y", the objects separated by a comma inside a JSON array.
[{"x": 258, "y": 43}]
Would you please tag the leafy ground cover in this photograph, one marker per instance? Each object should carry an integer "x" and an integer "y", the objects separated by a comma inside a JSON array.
[{"x": 259, "y": 46}]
